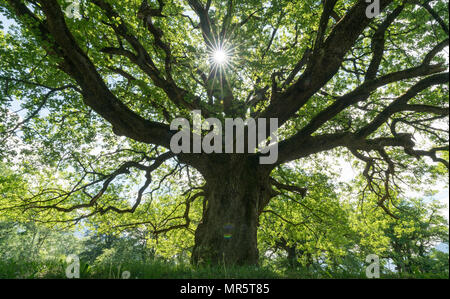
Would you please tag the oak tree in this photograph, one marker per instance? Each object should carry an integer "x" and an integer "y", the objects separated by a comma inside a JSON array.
[{"x": 101, "y": 89}]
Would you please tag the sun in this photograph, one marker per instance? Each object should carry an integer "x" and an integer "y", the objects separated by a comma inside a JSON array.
[{"x": 220, "y": 57}]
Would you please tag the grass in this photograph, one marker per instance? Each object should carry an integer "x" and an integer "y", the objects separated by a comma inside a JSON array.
[
  {"x": 155, "y": 269},
  {"x": 54, "y": 269}
]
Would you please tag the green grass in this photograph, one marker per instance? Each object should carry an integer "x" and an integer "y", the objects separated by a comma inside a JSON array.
[
  {"x": 155, "y": 269},
  {"x": 53, "y": 269}
]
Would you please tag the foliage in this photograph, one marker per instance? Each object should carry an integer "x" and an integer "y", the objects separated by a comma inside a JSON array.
[{"x": 85, "y": 108}]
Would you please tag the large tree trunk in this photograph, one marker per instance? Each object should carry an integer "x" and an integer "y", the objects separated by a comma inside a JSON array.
[{"x": 236, "y": 192}]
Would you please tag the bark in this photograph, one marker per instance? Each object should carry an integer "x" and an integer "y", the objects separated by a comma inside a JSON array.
[
  {"x": 236, "y": 192},
  {"x": 292, "y": 257}
]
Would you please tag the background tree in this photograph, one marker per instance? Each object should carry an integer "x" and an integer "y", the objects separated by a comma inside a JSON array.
[
  {"x": 117, "y": 249},
  {"x": 305, "y": 230},
  {"x": 412, "y": 242},
  {"x": 100, "y": 92}
]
